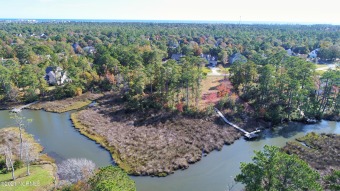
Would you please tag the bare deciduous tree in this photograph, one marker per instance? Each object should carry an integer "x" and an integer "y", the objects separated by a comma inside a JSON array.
[
  {"x": 9, "y": 157},
  {"x": 29, "y": 155},
  {"x": 22, "y": 123},
  {"x": 74, "y": 170},
  {"x": 2, "y": 152},
  {"x": 8, "y": 150}
]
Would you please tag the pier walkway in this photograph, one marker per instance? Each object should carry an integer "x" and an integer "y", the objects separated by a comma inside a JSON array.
[
  {"x": 247, "y": 134},
  {"x": 18, "y": 109}
]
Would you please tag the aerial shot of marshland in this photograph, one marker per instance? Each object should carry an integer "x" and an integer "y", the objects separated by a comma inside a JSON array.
[{"x": 161, "y": 95}]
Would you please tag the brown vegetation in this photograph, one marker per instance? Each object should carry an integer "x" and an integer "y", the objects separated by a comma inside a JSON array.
[
  {"x": 320, "y": 151},
  {"x": 12, "y": 134},
  {"x": 152, "y": 143},
  {"x": 60, "y": 106}
]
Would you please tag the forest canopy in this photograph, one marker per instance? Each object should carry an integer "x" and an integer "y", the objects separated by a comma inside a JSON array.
[{"x": 133, "y": 59}]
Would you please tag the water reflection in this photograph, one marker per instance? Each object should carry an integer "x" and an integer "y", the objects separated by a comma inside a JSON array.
[{"x": 59, "y": 138}]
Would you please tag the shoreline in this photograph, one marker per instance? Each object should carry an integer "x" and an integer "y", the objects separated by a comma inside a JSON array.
[
  {"x": 44, "y": 164},
  {"x": 177, "y": 137},
  {"x": 58, "y": 106},
  {"x": 126, "y": 163},
  {"x": 320, "y": 151}
]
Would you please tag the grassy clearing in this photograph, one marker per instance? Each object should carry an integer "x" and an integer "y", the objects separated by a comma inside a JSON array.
[
  {"x": 320, "y": 72},
  {"x": 321, "y": 66},
  {"x": 41, "y": 179},
  {"x": 209, "y": 85}
]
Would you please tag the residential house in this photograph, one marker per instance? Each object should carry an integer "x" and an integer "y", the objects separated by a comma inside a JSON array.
[
  {"x": 289, "y": 52},
  {"x": 5, "y": 60},
  {"x": 313, "y": 54},
  {"x": 77, "y": 49},
  {"x": 237, "y": 57},
  {"x": 177, "y": 57},
  {"x": 56, "y": 75},
  {"x": 43, "y": 36},
  {"x": 212, "y": 60},
  {"x": 89, "y": 49}
]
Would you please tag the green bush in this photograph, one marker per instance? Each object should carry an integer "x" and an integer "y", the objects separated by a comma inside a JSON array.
[
  {"x": 30, "y": 95},
  {"x": 3, "y": 166},
  {"x": 210, "y": 110},
  {"x": 18, "y": 164},
  {"x": 112, "y": 178}
]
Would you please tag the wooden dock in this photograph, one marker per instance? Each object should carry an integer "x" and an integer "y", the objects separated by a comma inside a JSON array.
[
  {"x": 247, "y": 134},
  {"x": 18, "y": 109}
]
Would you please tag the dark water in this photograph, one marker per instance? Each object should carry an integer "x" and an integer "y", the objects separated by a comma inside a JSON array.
[{"x": 213, "y": 173}]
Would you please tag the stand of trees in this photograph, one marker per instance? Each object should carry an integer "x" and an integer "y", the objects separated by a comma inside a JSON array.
[
  {"x": 273, "y": 169},
  {"x": 15, "y": 152},
  {"x": 286, "y": 88}
]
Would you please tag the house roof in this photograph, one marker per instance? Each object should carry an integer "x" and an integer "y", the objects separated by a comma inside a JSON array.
[
  {"x": 176, "y": 56},
  {"x": 49, "y": 69},
  {"x": 208, "y": 57},
  {"x": 238, "y": 57}
]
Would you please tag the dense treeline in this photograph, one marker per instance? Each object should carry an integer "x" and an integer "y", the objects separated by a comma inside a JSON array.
[
  {"x": 286, "y": 88},
  {"x": 130, "y": 58}
]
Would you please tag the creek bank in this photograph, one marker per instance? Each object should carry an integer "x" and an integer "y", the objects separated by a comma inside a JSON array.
[
  {"x": 68, "y": 104},
  {"x": 154, "y": 143},
  {"x": 43, "y": 169},
  {"x": 57, "y": 106},
  {"x": 320, "y": 151},
  {"x": 12, "y": 134}
]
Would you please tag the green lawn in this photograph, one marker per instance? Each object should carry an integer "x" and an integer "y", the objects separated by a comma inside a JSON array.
[
  {"x": 321, "y": 65},
  {"x": 41, "y": 179}
]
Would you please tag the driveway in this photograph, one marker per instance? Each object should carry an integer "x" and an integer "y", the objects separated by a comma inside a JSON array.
[{"x": 215, "y": 72}]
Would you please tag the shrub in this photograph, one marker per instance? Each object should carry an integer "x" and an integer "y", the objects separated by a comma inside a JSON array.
[
  {"x": 18, "y": 164},
  {"x": 112, "y": 178},
  {"x": 210, "y": 110},
  {"x": 3, "y": 166},
  {"x": 179, "y": 107},
  {"x": 30, "y": 95}
]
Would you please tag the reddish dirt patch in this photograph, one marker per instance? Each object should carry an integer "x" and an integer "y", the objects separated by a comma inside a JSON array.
[{"x": 213, "y": 89}]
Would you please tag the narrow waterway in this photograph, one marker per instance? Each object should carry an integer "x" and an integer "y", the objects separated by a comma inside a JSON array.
[
  {"x": 58, "y": 137},
  {"x": 214, "y": 172}
]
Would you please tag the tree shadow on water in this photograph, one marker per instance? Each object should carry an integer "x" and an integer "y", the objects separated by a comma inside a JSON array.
[{"x": 286, "y": 131}]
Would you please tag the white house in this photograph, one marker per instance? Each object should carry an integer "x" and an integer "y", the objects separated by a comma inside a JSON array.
[
  {"x": 56, "y": 76},
  {"x": 289, "y": 52},
  {"x": 313, "y": 54}
]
